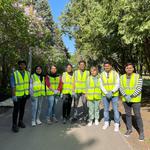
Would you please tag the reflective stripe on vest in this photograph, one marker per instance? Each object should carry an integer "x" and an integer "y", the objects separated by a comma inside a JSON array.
[
  {"x": 54, "y": 83},
  {"x": 93, "y": 90},
  {"x": 67, "y": 83},
  {"x": 38, "y": 86},
  {"x": 130, "y": 87},
  {"x": 22, "y": 84},
  {"x": 109, "y": 83},
  {"x": 80, "y": 81}
]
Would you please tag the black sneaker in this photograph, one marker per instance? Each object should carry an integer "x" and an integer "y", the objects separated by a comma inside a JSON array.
[
  {"x": 15, "y": 128},
  {"x": 127, "y": 134},
  {"x": 141, "y": 137},
  {"x": 21, "y": 124}
]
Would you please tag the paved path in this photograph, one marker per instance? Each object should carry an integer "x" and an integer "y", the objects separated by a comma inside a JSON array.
[{"x": 58, "y": 136}]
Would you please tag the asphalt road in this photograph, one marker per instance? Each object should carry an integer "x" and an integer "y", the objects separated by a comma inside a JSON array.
[{"x": 58, "y": 136}]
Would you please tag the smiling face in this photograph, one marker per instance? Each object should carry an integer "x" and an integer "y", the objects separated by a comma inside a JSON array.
[
  {"x": 69, "y": 68},
  {"x": 129, "y": 69},
  {"x": 82, "y": 66},
  {"x": 107, "y": 67},
  {"x": 94, "y": 71},
  {"x": 53, "y": 69},
  {"x": 38, "y": 70},
  {"x": 22, "y": 66}
]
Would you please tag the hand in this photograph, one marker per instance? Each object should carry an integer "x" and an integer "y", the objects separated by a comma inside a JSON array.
[
  {"x": 14, "y": 98},
  {"x": 56, "y": 91},
  {"x": 128, "y": 98},
  {"x": 109, "y": 95},
  {"x": 73, "y": 93},
  {"x": 61, "y": 95}
]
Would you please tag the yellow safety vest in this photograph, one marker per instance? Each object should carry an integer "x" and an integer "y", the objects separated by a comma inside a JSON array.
[
  {"x": 93, "y": 90},
  {"x": 80, "y": 81},
  {"x": 22, "y": 84},
  {"x": 54, "y": 82},
  {"x": 129, "y": 88},
  {"x": 67, "y": 83},
  {"x": 38, "y": 86},
  {"x": 109, "y": 83}
]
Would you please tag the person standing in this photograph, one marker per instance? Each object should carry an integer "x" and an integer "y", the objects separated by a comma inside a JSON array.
[
  {"x": 130, "y": 88},
  {"x": 20, "y": 93},
  {"x": 93, "y": 95},
  {"x": 67, "y": 79},
  {"x": 109, "y": 83},
  {"x": 53, "y": 89},
  {"x": 79, "y": 88},
  {"x": 37, "y": 92}
]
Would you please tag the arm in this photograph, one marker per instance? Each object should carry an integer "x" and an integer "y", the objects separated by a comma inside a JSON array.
[
  {"x": 12, "y": 83},
  {"x": 47, "y": 83},
  {"x": 102, "y": 87},
  {"x": 138, "y": 88},
  {"x": 117, "y": 84},
  {"x": 60, "y": 85},
  {"x": 73, "y": 82},
  {"x": 31, "y": 86}
]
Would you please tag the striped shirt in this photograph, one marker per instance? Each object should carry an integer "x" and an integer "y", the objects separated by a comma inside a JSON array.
[{"x": 137, "y": 90}]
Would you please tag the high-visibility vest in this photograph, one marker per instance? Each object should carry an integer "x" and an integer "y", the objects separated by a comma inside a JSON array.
[
  {"x": 109, "y": 83},
  {"x": 54, "y": 82},
  {"x": 93, "y": 91},
  {"x": 38, "y": 86},
  {"x": 22, "y": 84},
  {"x": 80, "y": 81},
  {"x": 130, "y": 87},
  {"x": 67, "y": 83}
]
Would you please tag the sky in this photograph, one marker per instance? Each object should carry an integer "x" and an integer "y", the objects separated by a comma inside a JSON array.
[{"x": 57, "y": 6}]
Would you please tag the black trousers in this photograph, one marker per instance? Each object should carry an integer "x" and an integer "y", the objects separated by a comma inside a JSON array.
[
  {"x": 136, "y": 109},
  {"x": 19, "y": 108},
  {"x": 67, "y": 101}
]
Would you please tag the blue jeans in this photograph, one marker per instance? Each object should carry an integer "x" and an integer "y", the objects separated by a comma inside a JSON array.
[
  {"x": 36, "y": 107},
  {"x": 52, "y": 102},
  {"x": 106, "y": 103}
]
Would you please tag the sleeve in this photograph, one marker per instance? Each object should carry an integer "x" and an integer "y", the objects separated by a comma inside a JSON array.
[
  {"x": 102, "y": 87},
  {"x": 87, "y": 84},
  {"x": 117, "y": 84},
  {"x": 73, "y": 82},
  {"x": 60, "y": 85},
  {"x": 31, "y": 86},
  {"x": 122, "y": 91},
  {"x": 138, "y": 88},
  {"x": 47, "y": 82},
  {"x": 12, "y": 81}
]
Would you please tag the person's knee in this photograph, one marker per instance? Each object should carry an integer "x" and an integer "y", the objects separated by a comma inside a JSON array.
[{"x": 138, "y": 115}]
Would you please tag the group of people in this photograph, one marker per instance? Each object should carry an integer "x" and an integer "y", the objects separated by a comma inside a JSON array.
[{"x": 90, "y": 87}]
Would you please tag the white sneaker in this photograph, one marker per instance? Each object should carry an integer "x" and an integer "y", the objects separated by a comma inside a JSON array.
[
  {"x": 38, "y": 121},
  {"x": 33, "y": 123},
  {"x": 90, "y": 124},
  {"x": 106, "y": 125},
  {"x": 48, "y": 120},
  {"x": 55, "y": 119},
  {"x": 116, "y": 128},
  {"x": 96, "y": 122}
]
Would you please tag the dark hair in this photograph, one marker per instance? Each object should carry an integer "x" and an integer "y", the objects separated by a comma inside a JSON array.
[
  {"x": 38, "y": 66},
  {"x": 69, "y": 65},
  {"x": 107, "y": 62},
  {"x": 22, "y": 62},
  {"x": 81, "y": 61},
  {"x": 128, "y": 64}
]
